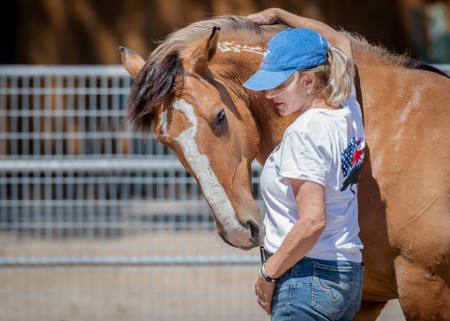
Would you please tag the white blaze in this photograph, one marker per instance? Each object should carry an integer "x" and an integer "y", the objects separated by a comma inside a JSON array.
[{"x": 212, "y": 190}]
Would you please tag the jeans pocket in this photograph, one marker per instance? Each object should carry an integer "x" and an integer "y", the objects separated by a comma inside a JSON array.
[{"x": 332, "y": 290}]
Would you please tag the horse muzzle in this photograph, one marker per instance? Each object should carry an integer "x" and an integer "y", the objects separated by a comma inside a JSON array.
[{"x": 244, "y": 237}]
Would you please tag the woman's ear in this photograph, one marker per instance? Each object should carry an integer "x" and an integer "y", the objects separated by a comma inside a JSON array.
[{"x": 310, "y": 80}]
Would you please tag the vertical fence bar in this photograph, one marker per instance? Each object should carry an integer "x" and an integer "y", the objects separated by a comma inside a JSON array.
[
  {"x": 14, "y": 112},
  {"x": 25, "y": 113},
  {"x": 105, "y": 146},
  {"x": 59, "y": 109},
  {"x": 3, "y": 119}
]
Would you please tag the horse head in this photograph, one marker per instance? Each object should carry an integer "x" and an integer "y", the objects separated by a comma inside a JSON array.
[{"x": 193, "y": 99}]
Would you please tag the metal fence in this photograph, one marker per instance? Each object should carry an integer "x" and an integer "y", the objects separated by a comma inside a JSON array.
[{"x": 100, "y": 223}]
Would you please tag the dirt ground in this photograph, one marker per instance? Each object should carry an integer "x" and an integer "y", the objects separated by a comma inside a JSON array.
[{"x": 79, "y": 293}]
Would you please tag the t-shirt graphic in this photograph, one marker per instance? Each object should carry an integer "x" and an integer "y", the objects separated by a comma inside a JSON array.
[{"x": 352, "y": 158}]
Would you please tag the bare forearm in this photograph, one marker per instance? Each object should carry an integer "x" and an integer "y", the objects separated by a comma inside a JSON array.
[
  {"x": 334, "y": 37},
  {"x": 310, "y": 199},
  {"x": 299, "y": 241}
]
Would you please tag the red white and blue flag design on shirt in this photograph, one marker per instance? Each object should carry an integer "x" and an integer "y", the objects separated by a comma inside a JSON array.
[{"x": 351, "y": 160}]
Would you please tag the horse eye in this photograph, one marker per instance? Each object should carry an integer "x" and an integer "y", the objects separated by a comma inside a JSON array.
[{"x": 220, "y": 117}]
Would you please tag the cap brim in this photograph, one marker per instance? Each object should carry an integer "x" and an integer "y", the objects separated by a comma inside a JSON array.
[{"x": 263, "y": 80}]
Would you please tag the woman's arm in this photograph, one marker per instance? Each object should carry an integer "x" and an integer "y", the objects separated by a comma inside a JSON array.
[
  {"x": 310, "y": 198},
  {"x": 274, "y": 15}
]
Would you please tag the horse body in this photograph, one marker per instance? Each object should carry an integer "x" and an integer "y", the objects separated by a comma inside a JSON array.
[
  {"x": 217, "y": 128},
  {"x": 404, "y": 185}
]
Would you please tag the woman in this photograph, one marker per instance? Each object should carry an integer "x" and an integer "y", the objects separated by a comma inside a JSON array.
[{"x": 314, "y": 269}]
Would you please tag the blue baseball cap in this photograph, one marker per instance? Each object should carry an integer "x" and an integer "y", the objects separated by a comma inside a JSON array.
[{"x": 288, "y": 51}]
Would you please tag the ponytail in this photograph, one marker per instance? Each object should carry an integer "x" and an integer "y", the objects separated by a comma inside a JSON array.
[
  {"x": 341, "y": 77},
  {"x": 335, "y": 77}
]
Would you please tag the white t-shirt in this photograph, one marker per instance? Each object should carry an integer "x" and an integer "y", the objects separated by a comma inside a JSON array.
[{"x": 326, "y": 147}]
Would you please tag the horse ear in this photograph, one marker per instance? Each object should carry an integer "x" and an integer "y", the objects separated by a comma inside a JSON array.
[
  {"x": 204, "y": 52},
  {"x": 132, "y": 62}
]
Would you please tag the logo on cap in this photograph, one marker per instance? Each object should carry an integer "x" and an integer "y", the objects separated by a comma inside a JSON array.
[{"x": 265, "y": 55}]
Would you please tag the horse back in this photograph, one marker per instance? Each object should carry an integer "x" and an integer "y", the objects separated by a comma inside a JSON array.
[{"x": 406, "y": 117}]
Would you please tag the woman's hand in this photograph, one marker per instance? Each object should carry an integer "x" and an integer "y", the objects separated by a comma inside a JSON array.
[
  {"x": 264, "y": 293},
  {"x": 266, "y": 17},
  {"x": 276, "y": 15}
]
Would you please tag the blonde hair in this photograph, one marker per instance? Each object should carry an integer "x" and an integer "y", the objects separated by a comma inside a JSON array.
[{"x": 334, "y": 77}]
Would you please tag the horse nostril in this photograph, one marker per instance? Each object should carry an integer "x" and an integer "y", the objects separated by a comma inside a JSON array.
[{"x": 254, "y": 229}]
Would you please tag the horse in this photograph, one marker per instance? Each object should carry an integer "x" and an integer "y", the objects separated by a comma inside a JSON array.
[{"x": 189, "y": 92}]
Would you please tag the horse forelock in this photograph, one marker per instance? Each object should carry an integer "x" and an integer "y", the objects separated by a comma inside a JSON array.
[
  {"x": 153, "y": 85},
  {"x": 163, "y": 73}
]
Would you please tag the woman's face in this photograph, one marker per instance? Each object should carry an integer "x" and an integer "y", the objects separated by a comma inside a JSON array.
[{"x": 289, "y": 97}]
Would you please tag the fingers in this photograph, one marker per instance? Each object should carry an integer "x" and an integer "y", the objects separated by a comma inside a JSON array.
[
  {"x": 263, "y": 19},
  {"x": 264, "y": 304},
  {"x": 256, "y": 18},
  {"x": 266, "y": 17},
  {"x": 268, "y": 307},
  {"x": 264, "y": 293}
]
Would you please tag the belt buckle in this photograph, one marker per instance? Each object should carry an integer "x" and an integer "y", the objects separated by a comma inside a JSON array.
[{"x": 264, "y": 254}]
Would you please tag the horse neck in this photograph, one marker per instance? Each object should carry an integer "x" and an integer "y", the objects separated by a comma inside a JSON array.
[
  {"x": 236, "y": 69},
  {"x": 270, "y": 124}
]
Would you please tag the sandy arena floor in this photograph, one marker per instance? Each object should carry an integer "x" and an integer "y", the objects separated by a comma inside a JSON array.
[{"x": 131, "y": 292}]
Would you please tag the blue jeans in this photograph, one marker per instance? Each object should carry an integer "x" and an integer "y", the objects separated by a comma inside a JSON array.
[{"x": 318, "y": 290}]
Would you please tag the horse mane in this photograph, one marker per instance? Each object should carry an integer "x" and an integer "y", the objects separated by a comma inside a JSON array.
[
  {"x": 163, "y": 73},
  {"x": 359, "y": 43}
]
